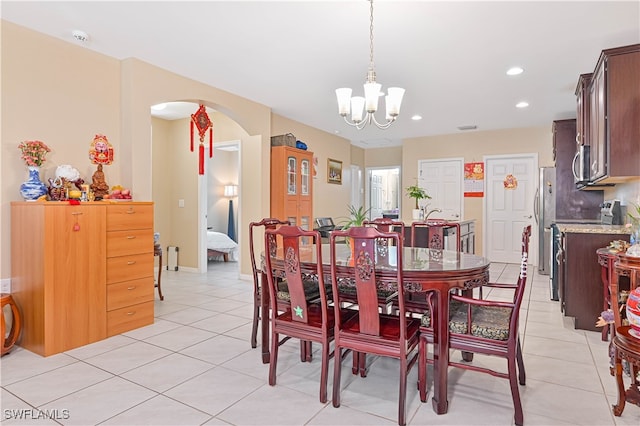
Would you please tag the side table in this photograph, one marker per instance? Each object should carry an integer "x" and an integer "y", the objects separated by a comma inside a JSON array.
[
  {"x": 9, "y": 339},
  {"x": 627, "y": 347},
  {"x": 157, "y": 251},
  {"x": 606, "y": 258}
]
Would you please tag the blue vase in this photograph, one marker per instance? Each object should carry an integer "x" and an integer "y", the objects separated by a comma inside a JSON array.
[{"x": 33, "y": 188}]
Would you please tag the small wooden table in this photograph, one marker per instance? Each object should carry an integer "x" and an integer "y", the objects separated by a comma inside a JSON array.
[
  {"x": 9, "y": 339},
  {"x": 627, "y": 347},
  {"x": 606, "y": 258},
  {"x": 157, "y": 251}
]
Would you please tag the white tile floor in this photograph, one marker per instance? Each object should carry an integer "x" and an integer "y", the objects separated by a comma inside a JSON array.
[{"x": 195, "y": 366}]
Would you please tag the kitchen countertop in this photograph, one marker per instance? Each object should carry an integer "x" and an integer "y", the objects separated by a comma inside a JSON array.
[{"x": 592, "y": 228}]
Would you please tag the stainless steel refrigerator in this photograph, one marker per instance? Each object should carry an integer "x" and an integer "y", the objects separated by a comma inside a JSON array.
[{"x": 545, "y": 214}]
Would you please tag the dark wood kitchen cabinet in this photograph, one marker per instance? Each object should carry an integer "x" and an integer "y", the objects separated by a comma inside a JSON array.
[
  {"x": 582, "y": 109},
  {"x": 614, "y": 114},
  {"x": 580, "y": 286},
  {"x": 571, "y": 203}
]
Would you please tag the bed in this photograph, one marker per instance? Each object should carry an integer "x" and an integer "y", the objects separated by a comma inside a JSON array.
[{"x": 220, "y": 245}]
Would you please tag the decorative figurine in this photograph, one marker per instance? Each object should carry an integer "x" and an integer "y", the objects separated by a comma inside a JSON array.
[{"x": 99, "y": 186}]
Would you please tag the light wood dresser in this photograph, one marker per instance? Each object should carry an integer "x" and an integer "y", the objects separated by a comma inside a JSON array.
[{"x": 81, "y": 273}]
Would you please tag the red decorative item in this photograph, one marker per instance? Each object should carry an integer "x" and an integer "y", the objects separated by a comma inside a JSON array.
[
  {"x": 202, "y": 122},
  {"x": 101, "y": 151}
]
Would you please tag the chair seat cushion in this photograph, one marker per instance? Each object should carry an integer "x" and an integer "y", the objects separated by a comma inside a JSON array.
[
  {"x": 311, "y": 290},
  {"x": 389, "y": 327},
  {"x": 490, "y": 322},
  {"x": 386, "y": 291}
]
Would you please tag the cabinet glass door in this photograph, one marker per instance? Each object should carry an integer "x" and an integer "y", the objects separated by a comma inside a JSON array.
[
  {"x": 291, "y": 176},
  {"x": 304, "y": 177}
]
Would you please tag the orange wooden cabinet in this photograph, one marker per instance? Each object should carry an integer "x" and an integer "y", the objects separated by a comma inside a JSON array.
[
  {"x": 60, "y": 255},
  {"x": 130, "y": 275},
  {"x": 292, "y": 185}
]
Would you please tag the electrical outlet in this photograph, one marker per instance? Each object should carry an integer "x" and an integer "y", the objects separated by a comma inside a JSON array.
[
  {"x": 5, "y": 285},
  {"x": 181, "y": 203}
]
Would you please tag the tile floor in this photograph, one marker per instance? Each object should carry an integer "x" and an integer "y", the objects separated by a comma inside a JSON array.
[{"x": 195, "y": 366}]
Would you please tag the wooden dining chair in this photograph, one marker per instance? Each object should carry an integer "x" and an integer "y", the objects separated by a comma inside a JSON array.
[
  {"x": 256, "y": 269},
  {"x": 484, "y": 327},
  {"x": 370, "y": 331},
  {"x": 434, "y": 237},
  {"x": 385, "y": 224},
  {"x": 302, "y": 319}
]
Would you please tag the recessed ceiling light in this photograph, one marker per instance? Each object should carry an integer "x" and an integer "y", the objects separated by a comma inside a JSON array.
[
  {"x": 159, "y": 107},
  {"x": 80, "y": 36},
  {"x": 416, "y": 117},
  {"x": 515, "y": 71},
  {"x": 522, "y": 104}
]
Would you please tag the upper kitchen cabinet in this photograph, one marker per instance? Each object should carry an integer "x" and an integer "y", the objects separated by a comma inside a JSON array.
[
  {"x": 582, "y": 112},
  {"x": 614, "y": 116}
]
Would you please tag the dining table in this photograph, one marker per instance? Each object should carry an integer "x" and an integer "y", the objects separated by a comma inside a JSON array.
[{"x": 424, "y": 270}]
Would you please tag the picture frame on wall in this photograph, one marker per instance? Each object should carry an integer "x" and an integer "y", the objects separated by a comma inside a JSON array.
[{"x": 334, "y": 171}]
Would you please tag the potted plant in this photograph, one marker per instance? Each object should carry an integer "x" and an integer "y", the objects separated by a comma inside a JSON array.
[
  {"x": 418, "y": 193},
  {"x": 356, "y": 217}
]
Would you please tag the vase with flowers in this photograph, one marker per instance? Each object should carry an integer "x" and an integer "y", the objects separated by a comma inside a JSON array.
[
  {"x": 33, "y": 154},
  {"x": 634, "y": 226}
]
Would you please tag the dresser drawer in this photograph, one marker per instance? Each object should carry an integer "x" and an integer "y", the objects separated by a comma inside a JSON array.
[
  {"x": 126, "y": 268},
  {"x": 129, "y": 216},
  {"x": 129, "y": 293},
  {"x": 129, "y": 318},
  {"x": 135, "y": 241}
]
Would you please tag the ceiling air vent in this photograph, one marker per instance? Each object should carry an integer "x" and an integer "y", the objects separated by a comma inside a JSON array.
[{"x": 468, "y": 127}]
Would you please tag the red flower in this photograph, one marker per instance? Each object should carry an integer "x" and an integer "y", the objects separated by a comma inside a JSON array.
[{"x": 33, "y": 152}]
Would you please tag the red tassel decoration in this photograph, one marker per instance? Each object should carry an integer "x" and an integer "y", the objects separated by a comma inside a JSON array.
[
  {"x": 191, "y": 122},
  {"x": 211, "y": 142},
  {"x": 201, "y": 158}
]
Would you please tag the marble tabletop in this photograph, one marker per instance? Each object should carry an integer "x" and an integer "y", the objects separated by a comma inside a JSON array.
[{"x": 592, "y": 228}]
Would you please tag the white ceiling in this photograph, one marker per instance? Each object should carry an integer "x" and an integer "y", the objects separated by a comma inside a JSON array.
[{"x": 451, "y": 57}]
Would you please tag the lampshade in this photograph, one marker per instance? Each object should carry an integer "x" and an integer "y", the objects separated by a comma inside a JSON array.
[{"x": 230, "y": 190}]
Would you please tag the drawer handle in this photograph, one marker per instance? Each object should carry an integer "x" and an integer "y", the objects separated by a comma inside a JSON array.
[
  {"x": 131, "y": 262},
  {"x": 131, "y": 288},
  {"x": 131, "y": 313},
  {"x": 130, "y": 237},
  {"x": 130, "y": 211},
  {"x": 76, "y": 213}
]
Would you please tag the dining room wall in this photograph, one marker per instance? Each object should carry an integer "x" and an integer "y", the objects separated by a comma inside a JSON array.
[
  {"x": 63, "y": 94},
  {"x": 329, "y": 200},
  {"x": 473, "y": 146}
]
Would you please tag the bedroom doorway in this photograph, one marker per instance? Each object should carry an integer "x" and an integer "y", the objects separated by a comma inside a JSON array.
[{"x": 219, "y": 210}]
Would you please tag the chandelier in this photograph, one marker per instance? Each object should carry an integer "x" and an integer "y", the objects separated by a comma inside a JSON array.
[{"x": 362, "y": 109}]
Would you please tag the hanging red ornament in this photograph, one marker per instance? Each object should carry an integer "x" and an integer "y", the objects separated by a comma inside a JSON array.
[
  {"x": 201, "y": 120},
  {"x": 201, "y": 159},
  {"x": 191, "y": 126},
  {"x": 211, "y": 142}
]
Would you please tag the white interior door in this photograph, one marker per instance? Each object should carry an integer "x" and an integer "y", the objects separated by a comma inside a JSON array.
[
  {"x": 510, "y": 191},
  {"x": 442, "y": 179},
  {"x": 375, "y": 194}
]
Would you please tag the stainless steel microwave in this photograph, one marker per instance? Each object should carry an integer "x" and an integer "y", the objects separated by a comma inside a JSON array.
[{"x": 580, "y": 166}]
